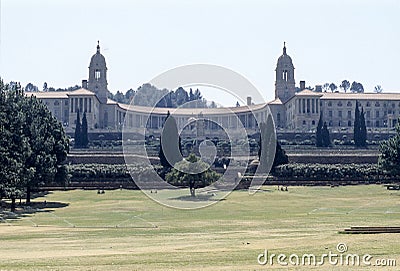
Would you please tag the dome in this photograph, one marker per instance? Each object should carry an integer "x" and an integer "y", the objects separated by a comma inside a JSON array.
[
  {"x": 98, "y": 59},
  {"x": 285, "y": 59}
]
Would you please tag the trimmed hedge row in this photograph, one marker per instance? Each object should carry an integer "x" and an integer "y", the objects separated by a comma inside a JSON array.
[
  {"x": 83, "y": 172},
  {"x": 334, "y": 172}
]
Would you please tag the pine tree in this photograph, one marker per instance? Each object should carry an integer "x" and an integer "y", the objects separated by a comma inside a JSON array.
[
  {"x": 319, "y": 141},
  {"x": 78, "y": 131},
  {"x": 84, "y": 132}
]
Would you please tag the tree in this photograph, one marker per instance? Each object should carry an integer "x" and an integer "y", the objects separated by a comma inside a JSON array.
[
  {"x": 357, "y": 87},
  {"x": 326, "y": 140},
  {"x": 332, "y": 87},
  {"x": 84, "y": 132},
  {"x": 378, "y": 89},
  {"x": 363, "y": 129},
  {"x": 319, "y": 141},
  {"x": 325, "y": 87},
  {"x": 345, "y": 85},
  {"x": 356, "y": 130},
  {"x": 281, "y": 157},
  {"x": 389, "y": 157},
  {"x": 193, "y": 173},
  {"x": 360, "y": 130},
  {"x": 45, "y": 88},
  {"x": 78, "y": 131},
  {"x": 33, "y": 145},
  {"x": 170, "y": 144}
]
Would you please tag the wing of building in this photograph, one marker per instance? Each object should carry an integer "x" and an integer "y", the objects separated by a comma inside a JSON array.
[{"x": 293, "y": 109}]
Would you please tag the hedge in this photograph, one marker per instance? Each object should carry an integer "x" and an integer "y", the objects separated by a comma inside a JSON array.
[{"x": 342, "y": 172}]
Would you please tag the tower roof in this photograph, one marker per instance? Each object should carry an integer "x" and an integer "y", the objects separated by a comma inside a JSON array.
[
  {"x": 98, "y": 59},
  {"x": 285, "y": 59}
]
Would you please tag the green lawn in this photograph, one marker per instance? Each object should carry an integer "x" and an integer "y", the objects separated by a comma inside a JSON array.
[{"x": 124, "y": 230}]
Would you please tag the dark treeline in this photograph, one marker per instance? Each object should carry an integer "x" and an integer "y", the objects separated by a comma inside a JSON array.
[{"x": 33, "y": 145}]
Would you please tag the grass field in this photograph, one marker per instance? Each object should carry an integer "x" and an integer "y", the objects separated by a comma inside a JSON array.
[{"x": 124, "y": 230}]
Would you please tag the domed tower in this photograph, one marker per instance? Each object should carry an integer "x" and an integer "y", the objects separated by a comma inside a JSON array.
[
  {"x": 284, "y": 83},
  {"x": 98, "y": 76}
]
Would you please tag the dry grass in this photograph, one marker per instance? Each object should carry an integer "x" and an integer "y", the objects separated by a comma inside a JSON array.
[{"x": 124, "y": 230}]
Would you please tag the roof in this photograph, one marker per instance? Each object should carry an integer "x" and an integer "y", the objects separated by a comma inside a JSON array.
[
  {"x": 81, "y": 91},
  {"x": 109, "y": 101},
  {"x": 307, "y": 92},
  {"x": 276, "y": 101},
  {"x": 191, "y": 111},
  {"x": 359, "y": 96},
  {"x": 49, "y": 95}
]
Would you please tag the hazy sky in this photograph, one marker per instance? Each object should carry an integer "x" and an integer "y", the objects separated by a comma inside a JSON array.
[{"x": 52, "y": 41}]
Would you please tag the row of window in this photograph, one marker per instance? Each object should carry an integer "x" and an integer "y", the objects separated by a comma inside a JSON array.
[
  {"x": 367, "y": 104},
  {"x": 368, "y": 123},
  {"x": 367, "y": 113}
]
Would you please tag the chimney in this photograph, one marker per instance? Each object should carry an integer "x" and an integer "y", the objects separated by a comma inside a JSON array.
[
  {"x": 302, "y": 85},
  {"x": 84, "y": 84},
  {"x": 248, "y": 100}
]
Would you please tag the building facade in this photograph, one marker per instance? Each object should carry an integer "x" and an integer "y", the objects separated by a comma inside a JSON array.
[{"x": 293, "y": 109}]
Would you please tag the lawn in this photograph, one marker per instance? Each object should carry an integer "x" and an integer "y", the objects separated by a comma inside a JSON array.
[{"x": 125, "y": 230}]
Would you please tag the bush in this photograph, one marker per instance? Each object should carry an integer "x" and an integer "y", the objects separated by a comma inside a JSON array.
[{"x": 342, "y": 172}]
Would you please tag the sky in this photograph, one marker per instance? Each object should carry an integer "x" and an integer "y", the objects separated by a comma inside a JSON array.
[{"x": 329, "y": 41}]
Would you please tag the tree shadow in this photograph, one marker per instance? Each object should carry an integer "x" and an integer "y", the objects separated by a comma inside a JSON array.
[
  {"x": 24, "y": 210},
  {"x": 197, "y": 198}
]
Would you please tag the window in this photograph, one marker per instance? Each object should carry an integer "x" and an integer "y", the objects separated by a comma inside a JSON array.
[
  {"x": 368, "y": 123},
  {"x": 349, "y": 104},
  {"x": 368, "y": 104},
  {"x": 384, "y": 104},
  {"x": 304, "y": 122},
  {"x": 330, "y": 123},
  {"x": 377, "y": 123},
  {"x": 66, "y": 102},
  {"x": 377, "y": 104},
  {"x": 349, "y": 114},
  {"x": 340, "y": 114},
  {"x": 329, "y": 103},
  {"x": 349, "y": 123},
  {"x": 339, "y": 104},
  {"x": 393, "y": 105},
  {"x": 368, "y": 114},
  {"x": 56, "y": 103},
  {"x": 330, "y": 113},
  {"x": 278, "y": 117},
  {"x": 377, "y": 114},
  {"x": 97, "y": 74},
  {"x": 339, "y": 124},
  {"x": 313, "y": 122}
]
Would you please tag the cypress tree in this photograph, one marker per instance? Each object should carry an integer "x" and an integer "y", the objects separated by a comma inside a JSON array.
[
  {"x": 356, "y": 132},
  {"x": 363, "y": 129},
  {"x": 319, "y": 141},
  {"x": 78, "y": 131},
  {"x": 326, "y": 140},
  {"x": 84, "y": 132}
]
